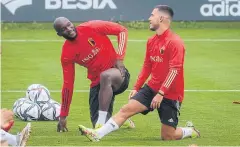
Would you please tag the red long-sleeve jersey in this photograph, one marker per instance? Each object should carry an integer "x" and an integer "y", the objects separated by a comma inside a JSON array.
[
  {"x": 92, "y": 49},
  {"x": 164, "y": 61}
]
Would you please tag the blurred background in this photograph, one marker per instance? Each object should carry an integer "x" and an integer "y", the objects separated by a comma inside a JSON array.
[{"x": 117, "y": 10}]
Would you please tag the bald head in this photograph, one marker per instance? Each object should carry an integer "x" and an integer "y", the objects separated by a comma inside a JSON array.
[
  {"x": 58, "y": 22},
  {"x": 64, "y": 27}
]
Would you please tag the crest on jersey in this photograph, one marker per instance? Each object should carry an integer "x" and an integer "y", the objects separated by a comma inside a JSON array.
[
  {"x": 162, "y": 50},
  {"x": 91, "y": 42}
]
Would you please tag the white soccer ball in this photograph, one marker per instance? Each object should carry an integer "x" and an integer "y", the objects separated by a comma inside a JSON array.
[
  {"x": 16, "y": 106},
  {"x": 38, "y": 93},
  {"x": 57, "y": 106},
  {"x": 50, "y": 110},
  {"x": 29, "y": 111}
]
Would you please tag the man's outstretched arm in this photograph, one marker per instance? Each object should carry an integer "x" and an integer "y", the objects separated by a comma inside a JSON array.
[{"x": 67, "y": 91}]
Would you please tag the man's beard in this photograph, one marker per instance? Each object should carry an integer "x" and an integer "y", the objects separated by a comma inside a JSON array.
[
  {"x": 152, "y": 29},
  {"x": 71, "y": 38}
]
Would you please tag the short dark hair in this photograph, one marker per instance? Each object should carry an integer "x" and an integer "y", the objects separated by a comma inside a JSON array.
[{"x": 165, "y": 9}]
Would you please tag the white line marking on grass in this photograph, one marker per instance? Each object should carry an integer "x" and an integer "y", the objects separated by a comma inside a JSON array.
[
  {"x": 192, "y": 90},
  {"x": 130, "y": 40}
]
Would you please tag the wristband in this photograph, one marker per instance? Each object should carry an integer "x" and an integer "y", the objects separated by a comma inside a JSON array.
[{"x": 160, "y": 94}]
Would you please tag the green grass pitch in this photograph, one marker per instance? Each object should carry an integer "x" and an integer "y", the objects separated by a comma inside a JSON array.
[{"x": 209, "y": 65}]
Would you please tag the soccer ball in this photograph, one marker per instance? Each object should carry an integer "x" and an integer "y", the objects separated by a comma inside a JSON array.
[
  {"x": 16, "y": 106},
  {"x": 38, "y": 93},
  {"x": 57, "y": 106},
  {"x": 50, "y": 110},
  {"x": 28, "y": 111}
]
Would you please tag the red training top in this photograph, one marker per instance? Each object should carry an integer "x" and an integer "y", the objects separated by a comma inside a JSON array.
[
  {"x": 92, "y": 49},
  {"x": 164, "y": 61}
]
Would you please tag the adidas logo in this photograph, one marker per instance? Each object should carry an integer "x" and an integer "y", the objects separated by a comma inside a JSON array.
[
  {"x": 221, "y": 8},
  {"x": 13, "y": 5},
  {"x": 112, "y": 125},
  {"x": 170, "y": 120}
]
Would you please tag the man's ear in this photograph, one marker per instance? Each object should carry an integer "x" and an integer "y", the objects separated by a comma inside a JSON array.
[{"x": 161, "y": 18}]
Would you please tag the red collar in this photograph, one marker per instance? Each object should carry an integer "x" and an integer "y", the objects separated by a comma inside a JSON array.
[{"x": 164, "y": 34}]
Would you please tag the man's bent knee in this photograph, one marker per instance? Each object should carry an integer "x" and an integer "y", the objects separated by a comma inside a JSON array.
[
  {"x": 105, "y": 76},
  {"x": 168, "y": 132},
  {"x": 168, "y": 136}
]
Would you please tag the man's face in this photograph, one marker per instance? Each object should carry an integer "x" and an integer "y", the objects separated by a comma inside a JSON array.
[
  {"x": 67, "y": 30},
  {"x": 154, "y": 20}
]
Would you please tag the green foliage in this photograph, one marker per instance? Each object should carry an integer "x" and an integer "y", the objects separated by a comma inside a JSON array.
[{"x": 130, "y": 25}]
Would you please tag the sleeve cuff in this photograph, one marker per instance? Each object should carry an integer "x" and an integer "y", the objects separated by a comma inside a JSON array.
[
  {"x": 63, "y": 114},
  {"x": 136, "y": 88},
  {"x": 120, "y": 57},
  {"x": 163, "y": 89}
]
